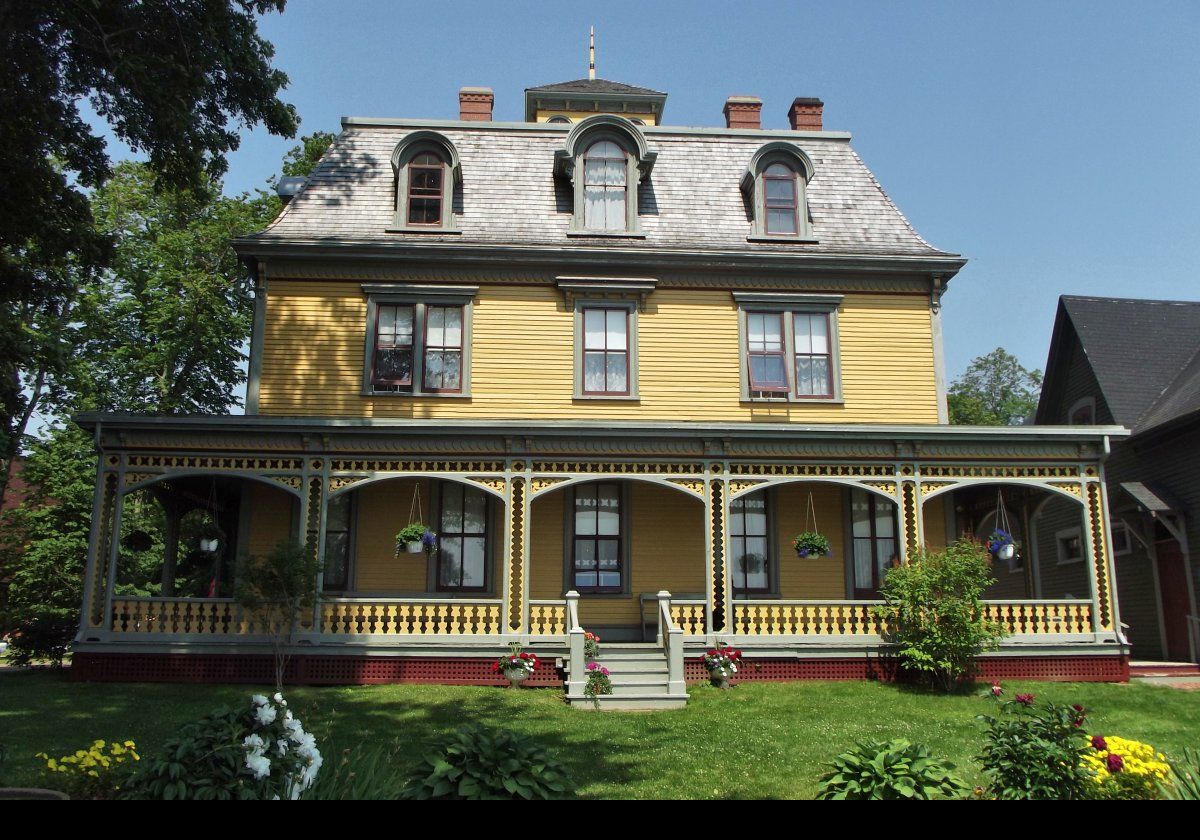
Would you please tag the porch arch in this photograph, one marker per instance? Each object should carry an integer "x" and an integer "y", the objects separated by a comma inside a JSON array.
[
  {"x": 845, "y": 482},
  {"x": 376, "y": 478},
  {"x": 249, "y": 476}
]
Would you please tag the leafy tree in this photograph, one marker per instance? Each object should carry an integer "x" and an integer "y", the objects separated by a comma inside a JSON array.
[
  {"x": 174, "y": 79},
  {"x": 303, "y": 159},
  {"x": 995, "y": 390},
  {"x": 933, "y": 608},
  {"x": 278, "y": 590}
]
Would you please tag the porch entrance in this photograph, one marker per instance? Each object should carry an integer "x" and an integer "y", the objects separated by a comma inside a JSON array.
[{"x": 1173, "y": 584}]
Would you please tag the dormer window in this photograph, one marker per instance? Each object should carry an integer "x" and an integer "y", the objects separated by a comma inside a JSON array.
[
  {"x": 426, "y": 177},
  {"x": 779, "y": 200},
  {"x": 776, "y": 188},
  {"x": 605, "y": 183},
  {"x": 427, "y": 172}
]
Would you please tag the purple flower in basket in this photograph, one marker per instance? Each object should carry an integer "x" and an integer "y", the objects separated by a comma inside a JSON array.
[{"x": 429, "y": 540}]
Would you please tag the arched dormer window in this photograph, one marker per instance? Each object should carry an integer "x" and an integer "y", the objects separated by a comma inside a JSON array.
[
  {"x": 605, "y": 157},
  {"x": 427, "y": 170},
  {"x": 776, "y": 184}
]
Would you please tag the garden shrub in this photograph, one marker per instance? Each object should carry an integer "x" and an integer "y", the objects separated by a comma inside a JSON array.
[
  {"x": 367, "y": 771},
  {"x": 890, "y": 770},
  {"x": 1036, "y": 752},
  {"x": 258, "y": 751},
  {"x": 934, "y": 612},
  {"x": 97, "y": 772},
  {"x": 477, "y": 763}
]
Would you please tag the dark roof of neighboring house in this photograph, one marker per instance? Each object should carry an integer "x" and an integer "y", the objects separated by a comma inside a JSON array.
[
  {"x": 1145, "y": 355},
  {"x": 597, "y": 86}
]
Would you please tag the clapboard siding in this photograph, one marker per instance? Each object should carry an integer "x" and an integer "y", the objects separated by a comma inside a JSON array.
[
  {"x": 522, "y": 365},
  {"x": 272, "y": 517},
  {"x": 810, "y": 577}
]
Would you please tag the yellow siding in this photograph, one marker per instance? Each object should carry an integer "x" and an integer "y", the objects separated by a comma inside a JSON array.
[
  {"x": 272, "y": 518},
  {"x": 576, "y": 116},
  {"x": 935, "y": 523},
  {"x": 380, "y": 511},
  {"x": 522, "y": 365},
  {"x": 810, "y": 577}
]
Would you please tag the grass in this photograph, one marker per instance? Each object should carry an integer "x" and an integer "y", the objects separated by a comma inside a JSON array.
[{"x": 757, "y": 741}]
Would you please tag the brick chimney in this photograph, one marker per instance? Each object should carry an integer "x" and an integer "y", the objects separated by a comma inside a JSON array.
[
  {"x": 475, "y": 104},
  {"x": 743, "y": 112},
  {"x": 805, "y": 114}
]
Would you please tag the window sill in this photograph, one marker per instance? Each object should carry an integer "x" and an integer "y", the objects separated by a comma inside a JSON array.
[
  {"x": 434, "y": 231},
  {"x": 606, "y": 234},
  {"x": 791, "y": 240},
  {"x": 605, "y": 595},
  {"x": 607, "y": 397},
  {"x": 419, "y": 395},
  {"x": 796, "y": 401}
]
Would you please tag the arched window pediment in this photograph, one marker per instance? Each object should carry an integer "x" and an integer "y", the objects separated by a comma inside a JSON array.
[
  {"x": 427, "y": 141},
  {"x": 606, "y": 158},
  {"x": 587, "y": 132},
  {"x": 779, "y": 203}
]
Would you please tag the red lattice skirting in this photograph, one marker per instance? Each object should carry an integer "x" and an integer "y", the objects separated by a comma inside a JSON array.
[
  {"x": 305, "y": 669},
  {"x": 1049, "y": 668}
]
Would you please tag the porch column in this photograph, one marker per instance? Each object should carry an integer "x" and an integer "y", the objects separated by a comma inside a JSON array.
[
  {"x": 93, "y": 611},
  {"x": 312, "y": 533},
  {"x": 911, "y": 520},
  {"x": 516, "y": 556},
  {"x": 1095, "y": 516},
  {"x": 715, "y": 501},
  {"x": 170, "y": 552}
]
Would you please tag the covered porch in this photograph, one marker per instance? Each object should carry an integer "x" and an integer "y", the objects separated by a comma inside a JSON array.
[{"x": 642, "y": 531}]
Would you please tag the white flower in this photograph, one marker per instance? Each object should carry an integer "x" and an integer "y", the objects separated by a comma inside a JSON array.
[
  {"x": 259, "y": 765},
  {"x": 265, "y": 715},
  {"x": 254, "y": 744},
  {"x": 278, "y": 698},
  {"x": 258, "y": 699}
]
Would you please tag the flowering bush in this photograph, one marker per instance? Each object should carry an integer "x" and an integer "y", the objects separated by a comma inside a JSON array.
[
  {"x": 591, "y": 645},
  {"x": 1124, "y": 769},
  {"x": 259, "y": 751},
  {"x": 518, "y": 660},
  {"x": 598, "y": 681},
  {"x": 722, "y": 662},
  {"x": 1033, "y": 752},
  {"x": 812, "y": 544},
  {"x": 998, "y": 540},
  {"x": 94, "y": 773}
]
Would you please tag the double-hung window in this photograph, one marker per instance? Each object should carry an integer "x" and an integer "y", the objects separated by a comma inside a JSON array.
[
  {"x": 462, "y": 539},
  {"x": 596, "y": 552},
  {"x": 605, "y": 351},
  {"x": 749, "y": 545},
  {"x": 875, "y": 534},
  {"x": 789, "y": 347},
  {"x": 339, "y": 517},
  {"x": 418, "y": 340},
  {"x": 605, "y": 177}
]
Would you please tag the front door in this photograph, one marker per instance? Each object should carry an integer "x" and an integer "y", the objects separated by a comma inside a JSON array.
[{"x": 1173, "y": 583}]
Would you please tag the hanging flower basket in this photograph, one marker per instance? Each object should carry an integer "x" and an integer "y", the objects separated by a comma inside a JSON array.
[
  {"x": 1001, "y": 544},
  {"x": 210, "y": 538},
  {"x": 812, "y": 544},
  {"x": 415, "y": 539},
  {"x": 138, "y": 541}
]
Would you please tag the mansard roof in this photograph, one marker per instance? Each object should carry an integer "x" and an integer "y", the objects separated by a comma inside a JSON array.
[{"x": 510, "y": 195}]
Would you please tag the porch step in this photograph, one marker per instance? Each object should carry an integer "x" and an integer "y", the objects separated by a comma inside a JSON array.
[
  {"x": 1164, "y": 669},
  {"x": 631, "y": 702},
  {"x": 640, "y": 680}
]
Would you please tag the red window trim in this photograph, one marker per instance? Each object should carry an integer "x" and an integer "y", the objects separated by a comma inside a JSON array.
[
  {"x": 426, "y": 347},
  {"x": 441, "y": 194},
  {"x": 767, "y": 540},
  {"x": 827, "y": 356},
  {"x": 596, "y": 540},
  {"x": 781, "y": 353},
  {"x": 794, "y": 206},
  {"x": 583, "y": 311},
  {"x": 462, "y": 535},
  {"x": 412, "y": 345}
]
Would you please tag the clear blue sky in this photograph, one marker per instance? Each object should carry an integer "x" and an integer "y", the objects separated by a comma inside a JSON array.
[{"x": 1055, "y": 144}]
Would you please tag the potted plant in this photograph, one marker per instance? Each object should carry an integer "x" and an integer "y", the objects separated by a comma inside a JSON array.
[
  {"x": 210, "y": 538},
  {"x": 598, "y": 682},
  {"x": 721, "y": 664},
  {"x": 517, "y": 666},
  {"x": 1001, "y": 544},
  {"x": 591, "y": 645},
  {"x": 812, "y": 544},
  {"x": 411, "y": 538}
]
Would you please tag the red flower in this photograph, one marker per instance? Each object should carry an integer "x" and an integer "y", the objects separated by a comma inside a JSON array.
[
  {"x": 996, "y": 689},
  {"x": 524, "y": 655},
  {"x": 1099, "y": 744},
  {"x": 1025, "y": 699},
  {"x": 1080, "y": 715},
  {"x": 1115, "y": 763}
]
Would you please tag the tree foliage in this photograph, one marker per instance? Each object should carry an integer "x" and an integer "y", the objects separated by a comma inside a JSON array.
[
  {"x": 995, "y": 390},
  {"x": 278, "y": 589},
  {"x": 933, "y": 607},
  {"x": 174, "y": 79}
]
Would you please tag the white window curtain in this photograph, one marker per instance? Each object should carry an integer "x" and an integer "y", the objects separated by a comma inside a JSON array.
[{"x": 605, "y": 183}]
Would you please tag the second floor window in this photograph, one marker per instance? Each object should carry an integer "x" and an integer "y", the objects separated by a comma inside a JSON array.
[
  {"x": 811, "y": 342},
  {"x": 426, "y": 180},
  {"x": 418, "y": 346},
  {"x": 765, "y": 352},
  {"x": 393, "y": 358},
  {"x": 789, "y": 347},
  {"x": 604, "y": 179},
  {"x": 605, "y": 351},
  {"x": 443, "y": 349}
]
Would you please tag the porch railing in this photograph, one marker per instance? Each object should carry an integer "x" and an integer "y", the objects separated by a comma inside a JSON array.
[
  {"x": 410, "y": 617},
  {"x": 1032, "y": 618},
  {"x": 548, "y": 618},
  {"x": 182, "y": 616},
  {"x": 690, "y": 616}
]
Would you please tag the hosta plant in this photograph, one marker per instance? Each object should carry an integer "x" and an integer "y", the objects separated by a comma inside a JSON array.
[
  {"x": 477, "y": 763},
  {"x": 890, "y": 770}
]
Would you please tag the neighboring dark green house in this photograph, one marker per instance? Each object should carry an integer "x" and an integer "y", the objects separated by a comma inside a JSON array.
[{"x": 1136, "y": 363}]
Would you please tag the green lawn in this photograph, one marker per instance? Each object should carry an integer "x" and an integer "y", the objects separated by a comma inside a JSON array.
[{"x": 755, "y": 741}]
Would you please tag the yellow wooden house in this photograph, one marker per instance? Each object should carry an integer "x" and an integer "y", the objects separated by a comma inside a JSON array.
[{"x": 614, "y": 367}]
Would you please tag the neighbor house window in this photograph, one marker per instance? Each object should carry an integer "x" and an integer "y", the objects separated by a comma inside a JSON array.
[
  {"x": 418, "y": 340},
  {"x": 426, "y": 181},
  {"x": 605, "y": 178},
  {"x": 1070, "y": 545},
  {"x": 605, "y": 351},
  {"x": 765, "y": 352},
  {"x": 875, "y": 537},
  {"x": 462, "y": 539},
  {"x": 811, "y": 344},
  {"x": 338, "y": 519},
  {"x": 749, "y": 544},
  {"x": 1083, "y": 412},
  {"x": 597, "y": 551},
  {"x": 789, "y": 346},
  {"x": 780, "y": 202},
  {"x": 1122, "y": 540},
  {"x": 443, "y": 349}
]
